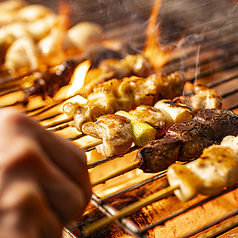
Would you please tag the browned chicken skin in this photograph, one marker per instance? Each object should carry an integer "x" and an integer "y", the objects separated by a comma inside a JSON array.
[
  {"x": 166, "y": 113},
  {"x": 153, "y": 116},
  {"x": 114, "y": 130},
  {"x": 202, "y": 98},
  {"x": 126, "y": 94}
]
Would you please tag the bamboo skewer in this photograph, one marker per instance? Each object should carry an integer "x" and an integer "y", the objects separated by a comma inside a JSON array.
[
  {"x": 92, "y": 144},
  {"x": 116, "y": 173},
  {"x": 130, "y": 209}
]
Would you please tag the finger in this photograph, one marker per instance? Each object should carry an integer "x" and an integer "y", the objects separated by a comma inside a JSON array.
[
  {"x": 69, "y": 158},
  {"x": 24, "y": 212},
  {"x": 66, "y": 197}
]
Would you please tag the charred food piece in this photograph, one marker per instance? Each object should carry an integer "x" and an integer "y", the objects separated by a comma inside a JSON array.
[
  {"x": 189, "y": 138},
  {"x": 207, "y": 127},
  {"x": 202, "y": 98},
  {"x": 48, "y": 84},
  {"x": 114, "y": 130},
  {"x": 157, "y": 155}
]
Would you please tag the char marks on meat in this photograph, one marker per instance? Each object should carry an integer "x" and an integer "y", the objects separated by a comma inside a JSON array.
[
  {"x": 207, "y": 127},
  {"x": 161, "y": 154},
  {"x": 114, "y": 130}
]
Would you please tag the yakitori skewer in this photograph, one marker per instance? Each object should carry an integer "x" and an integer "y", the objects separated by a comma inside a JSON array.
[
  {"x": 125, "y": 94},
  {"x": 214, "y": 170},
  {"x": 183, "y": 141},
  {"x": 147, "y": 122}
]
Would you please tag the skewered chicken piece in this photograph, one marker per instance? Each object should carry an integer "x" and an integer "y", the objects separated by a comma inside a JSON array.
[
  {"x": 152, "y": 123},
  {"x": 206, "y": 128},
  {"x": 116, "y": 132},
  {"x": 126, "y": 94},
  {"x": 137, "y": 65},
  {"x": 215, "y": 169},
  {"x": 202, "y": 98}
]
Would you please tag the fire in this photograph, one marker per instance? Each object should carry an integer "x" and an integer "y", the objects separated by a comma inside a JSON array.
[
  {"x": 152, "y": 50},
  {"x": 78, "y": 78}
]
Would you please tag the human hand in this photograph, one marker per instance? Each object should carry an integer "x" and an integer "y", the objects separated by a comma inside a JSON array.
[{"x": 44, "y": 182}]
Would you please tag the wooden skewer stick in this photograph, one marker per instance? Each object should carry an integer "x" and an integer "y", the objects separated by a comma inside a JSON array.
[
  {"x": 114, "y": 174},
  {"x": 130, "y": 209},
  {"x": 92, "y": 144},
  {"x": 56, "y": 123}
]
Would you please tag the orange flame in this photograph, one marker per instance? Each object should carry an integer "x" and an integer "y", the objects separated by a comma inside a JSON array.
[
  {"x": 157, "y": 56},
  {"x": 78, "y": 78}
]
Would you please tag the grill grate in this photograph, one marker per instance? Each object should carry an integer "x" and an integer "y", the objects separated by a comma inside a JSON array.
[{"x": 208, "y": 54}]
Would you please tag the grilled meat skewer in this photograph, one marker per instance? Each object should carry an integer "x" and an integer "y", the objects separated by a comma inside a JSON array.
[
  {"x": 126, "y": 94},
  {"x": 207, "y": 127},
  {"x": 161, "y": 118},
  {"x": 151, "y": 123},
  {"x": 48, "y": 84},
  {"x": 216, "y": 168},
  {"x": 137, "y": 65}
]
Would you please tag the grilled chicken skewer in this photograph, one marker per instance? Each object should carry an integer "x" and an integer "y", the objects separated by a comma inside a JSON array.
[
  {"x": 110, "y": 129},
  {"x": 214, "y": 170},
  {"x": 164, "y": 114},
  {"x": 158, "y": 155},
  {"x": 137, "y": 65},
  {"x": 126, "y": 94},
  {"x": 47, "y": 84}
]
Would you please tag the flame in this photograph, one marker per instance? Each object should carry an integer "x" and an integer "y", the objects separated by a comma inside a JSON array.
[
  {"x": 152, "y": 50},
  {"x": 78, "y": 78}
]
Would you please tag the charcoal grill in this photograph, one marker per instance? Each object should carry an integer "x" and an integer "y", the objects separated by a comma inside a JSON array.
[{"x": 208, "y": 54}]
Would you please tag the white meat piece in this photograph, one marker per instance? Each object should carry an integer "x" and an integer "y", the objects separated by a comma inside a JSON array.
[
  {"x": 83, "y": 34},
  {"x": 232, "y": 142},
  {"x": 217, "y": 167},
  {"x": 114, "y": 130},
  {"x": 189, "y": 183}
]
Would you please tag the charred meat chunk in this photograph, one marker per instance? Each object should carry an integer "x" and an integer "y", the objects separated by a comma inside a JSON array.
[
  {"x": 48, "y": 84},
  {"x": 157, "y": 155},
  {"x": 208, "y": 126}
]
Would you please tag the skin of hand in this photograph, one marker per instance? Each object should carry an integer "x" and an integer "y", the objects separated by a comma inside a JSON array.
[{"x": 44, "y": 182}]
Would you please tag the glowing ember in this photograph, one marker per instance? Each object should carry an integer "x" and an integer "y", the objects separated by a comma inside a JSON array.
[
  {"x": 78, "y": 78},
  {"x": 152, "y": 50}
]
